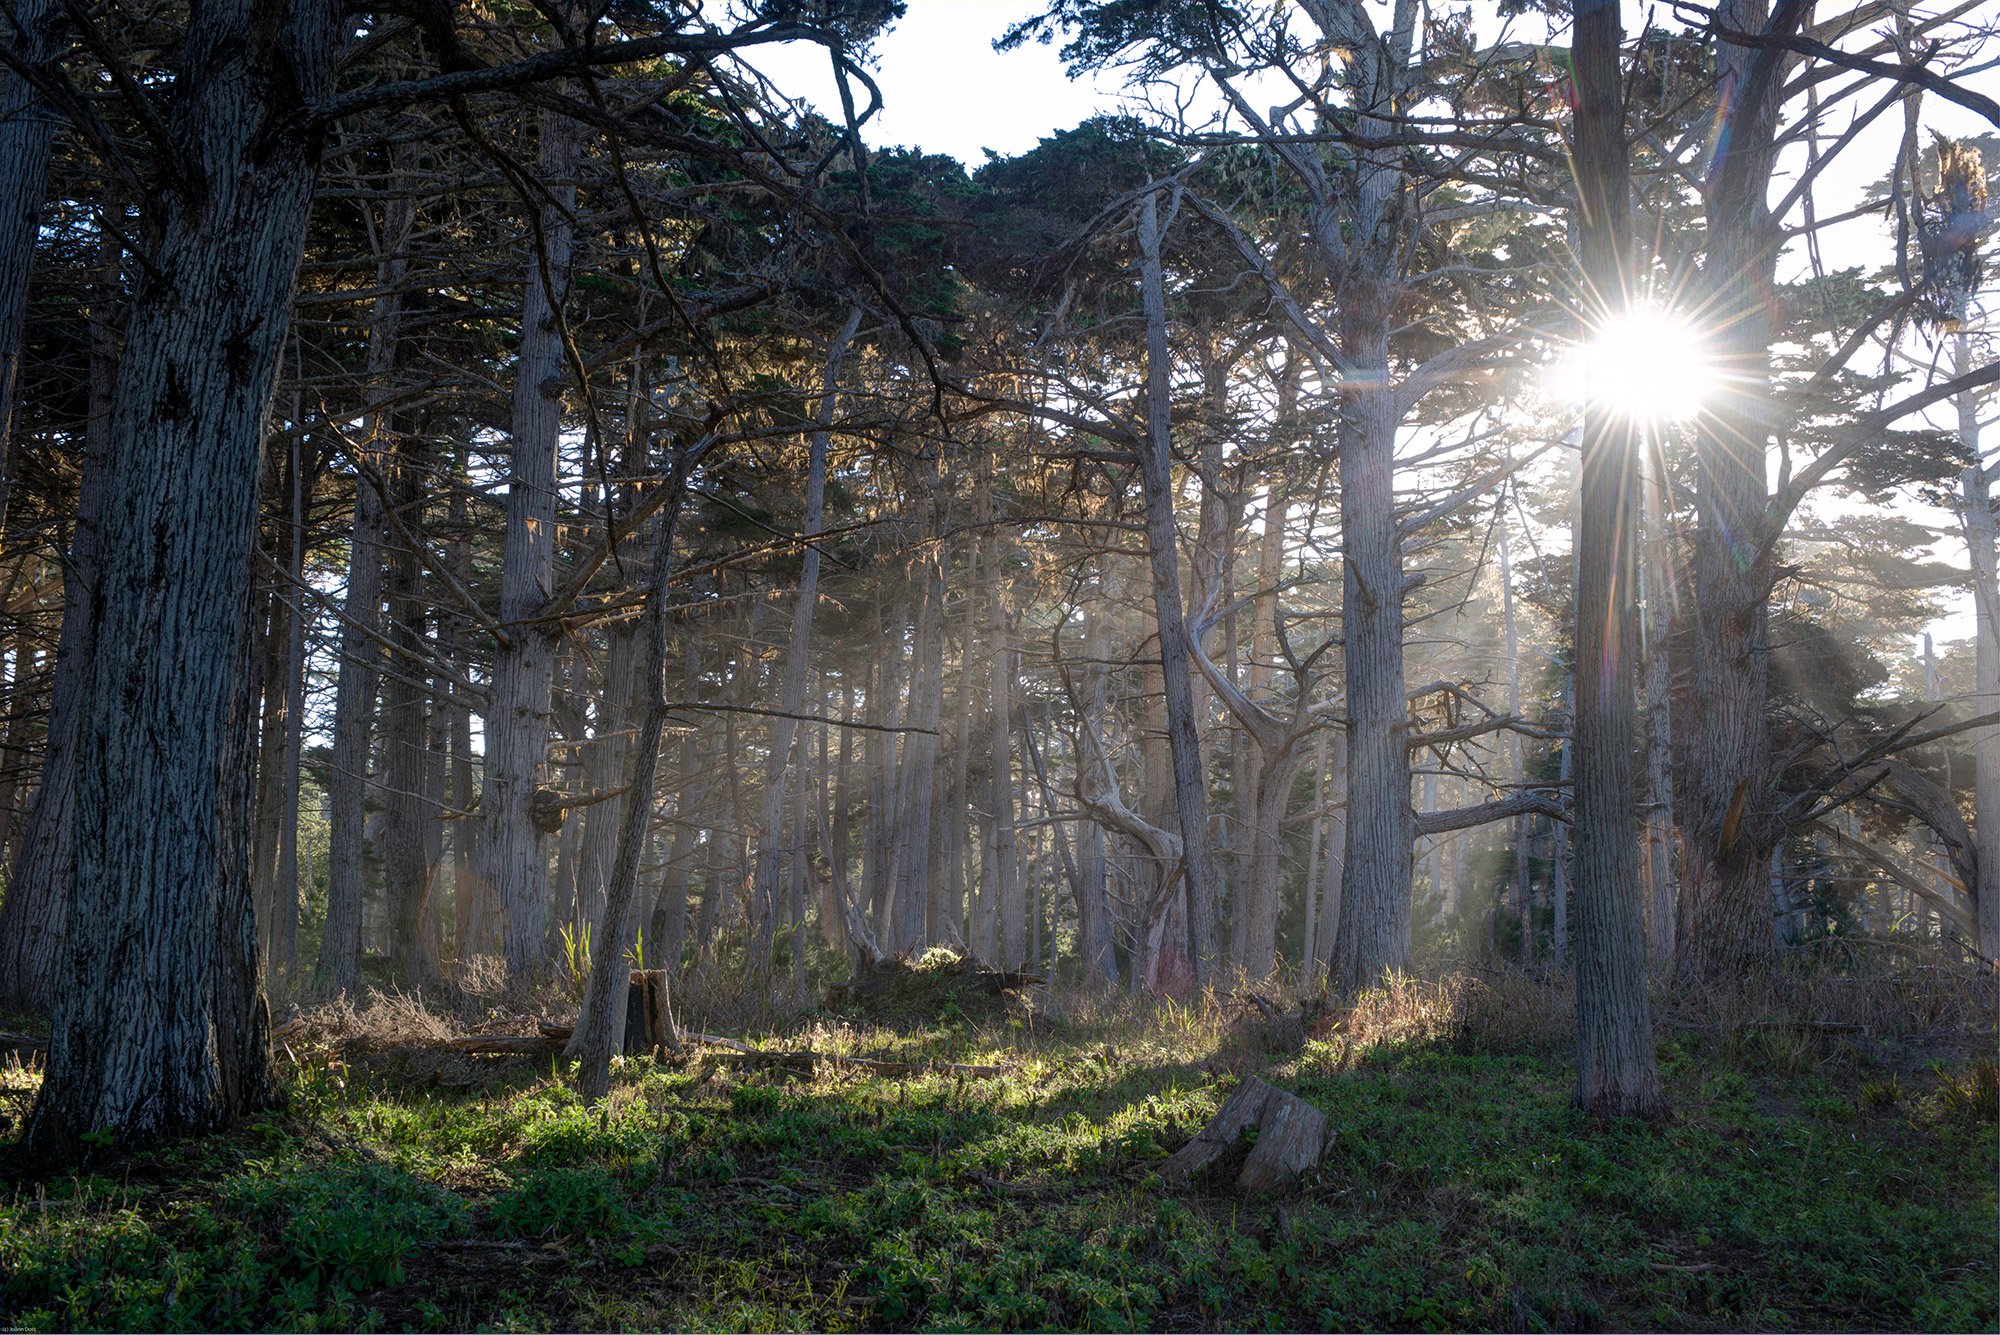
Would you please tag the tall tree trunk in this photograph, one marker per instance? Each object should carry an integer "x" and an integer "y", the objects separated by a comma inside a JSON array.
[
  {"x": 770, "y": 848},
  {"x": 1615, "y": 1068},
  {"x": 911, "y": 927},
  {"x": 1979, "y": 526},
  {"x": 1655, "y": 575},
  {"x": 472, "y": 923},
  {"x": 360, "y": 653},
  {"x": 1009, "y": 907},
  {"x": 514, "y": 857},
  {"x": 160, "y": 1028},
  {"x": 1198, "y": 873},
  {"x": 1270, "y": 775},
  {"x": 603, "y": 1018},
  {"x": 27, "y": 133},
  {"x": 1095, "y": 938},
  {"x": 1524, "y": 893},
  {"x": 1727, "y": 814},
  {"x": 1374, "y": 932},
  {"x": 405, "y": 729},
  {"x": 35, "y": 910}
]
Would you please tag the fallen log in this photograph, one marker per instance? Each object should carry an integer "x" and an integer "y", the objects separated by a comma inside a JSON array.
[
  {"x": 1292, "y": 1135},
  {"x": 505, "y": 1044}
]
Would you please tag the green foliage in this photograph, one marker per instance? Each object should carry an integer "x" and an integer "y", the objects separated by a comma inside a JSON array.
[
  {"x": 1462, "y": 1191},
  {"x": 563, "y": 1202}
]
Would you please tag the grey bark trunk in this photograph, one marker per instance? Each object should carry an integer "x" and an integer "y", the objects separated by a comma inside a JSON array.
[
  {"x": 1979, "y": 540},
  {"x": 1374, "y": 933},
  {"x": 514, "y": 858},
  {"x": 360, "y": 652},
  {"x": 784, "y": 731},
  {"x": 161, "y": 1028},
  {"x": 1727, "y": 816},
  {"x": 1615, "y": 1068},
  {"x": 602, "y": 1022},
  {"x": 1198, "y": 872}
]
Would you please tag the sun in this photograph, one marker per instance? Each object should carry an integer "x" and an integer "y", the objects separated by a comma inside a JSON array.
[{"x": 1649, "y": 364}]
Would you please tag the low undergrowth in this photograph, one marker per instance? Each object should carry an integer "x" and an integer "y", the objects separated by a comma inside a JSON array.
[{"x": 1815, "y": 1177}]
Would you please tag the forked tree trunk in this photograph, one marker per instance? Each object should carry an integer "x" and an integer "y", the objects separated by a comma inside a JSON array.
[
  {"x": 160, "y": 1028},
  {"x": 1615, "y": 1069},
  {"x": 514, "y": 855}
]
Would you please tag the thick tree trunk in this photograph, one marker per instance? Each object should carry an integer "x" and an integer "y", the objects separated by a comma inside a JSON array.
[
  {"x": 1009, "y": 907},
  {"x": 1727, "y": 813},
  {"x": 160, "y": 1028},
  {"x": 1198, "y": 874},
  {"x": 35, "y": 910},
  {"x": 1615, "y": 1068},
  {"x": 514, "y": 856},
  {"x": 1374, "y": 933}
]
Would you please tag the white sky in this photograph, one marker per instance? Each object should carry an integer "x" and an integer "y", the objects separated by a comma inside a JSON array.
[{"x": 946, "y": 90}]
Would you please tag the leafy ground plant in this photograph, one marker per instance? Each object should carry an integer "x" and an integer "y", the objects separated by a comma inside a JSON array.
[{"x": 1850, "y": 1189}]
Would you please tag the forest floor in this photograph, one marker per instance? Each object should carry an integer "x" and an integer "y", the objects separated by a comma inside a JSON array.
[{"x": 1812, "y": 1178}]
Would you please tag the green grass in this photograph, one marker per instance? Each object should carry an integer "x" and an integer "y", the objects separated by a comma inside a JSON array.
[{"x": 1837, "y": 1189}]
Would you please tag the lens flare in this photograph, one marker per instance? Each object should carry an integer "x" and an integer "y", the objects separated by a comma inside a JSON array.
[{"x": 1651, "y": 365}]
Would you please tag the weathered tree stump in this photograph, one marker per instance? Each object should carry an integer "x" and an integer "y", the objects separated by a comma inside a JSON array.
[
  {"x": 649, "y": 1016},
  {"x": 1291, "y": 1137}
]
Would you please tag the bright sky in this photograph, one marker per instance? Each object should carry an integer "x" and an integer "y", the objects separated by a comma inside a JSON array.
[{"x": 946, "y": 90}]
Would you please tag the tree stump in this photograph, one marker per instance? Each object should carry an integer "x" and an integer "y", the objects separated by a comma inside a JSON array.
[
  {"x": 1291, "y": 1137},
  {"x": 649, "y": 1016}
]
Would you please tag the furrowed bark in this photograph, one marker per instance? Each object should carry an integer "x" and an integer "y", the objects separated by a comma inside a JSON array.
[
  {"x": 1615, "y": 1068},
  {"x": 161, "y": 1028},
  {"x": 514, "y": 856}
]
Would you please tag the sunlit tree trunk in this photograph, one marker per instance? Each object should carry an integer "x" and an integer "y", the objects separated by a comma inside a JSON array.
[
  {"x": 1727, "y": 811},
  {"x": 1979, "y": 526},
  {"x": 1198, "y": 873},
  {"x": 1615, "y": 1067},
  {"x": 770, "y": 848}
]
